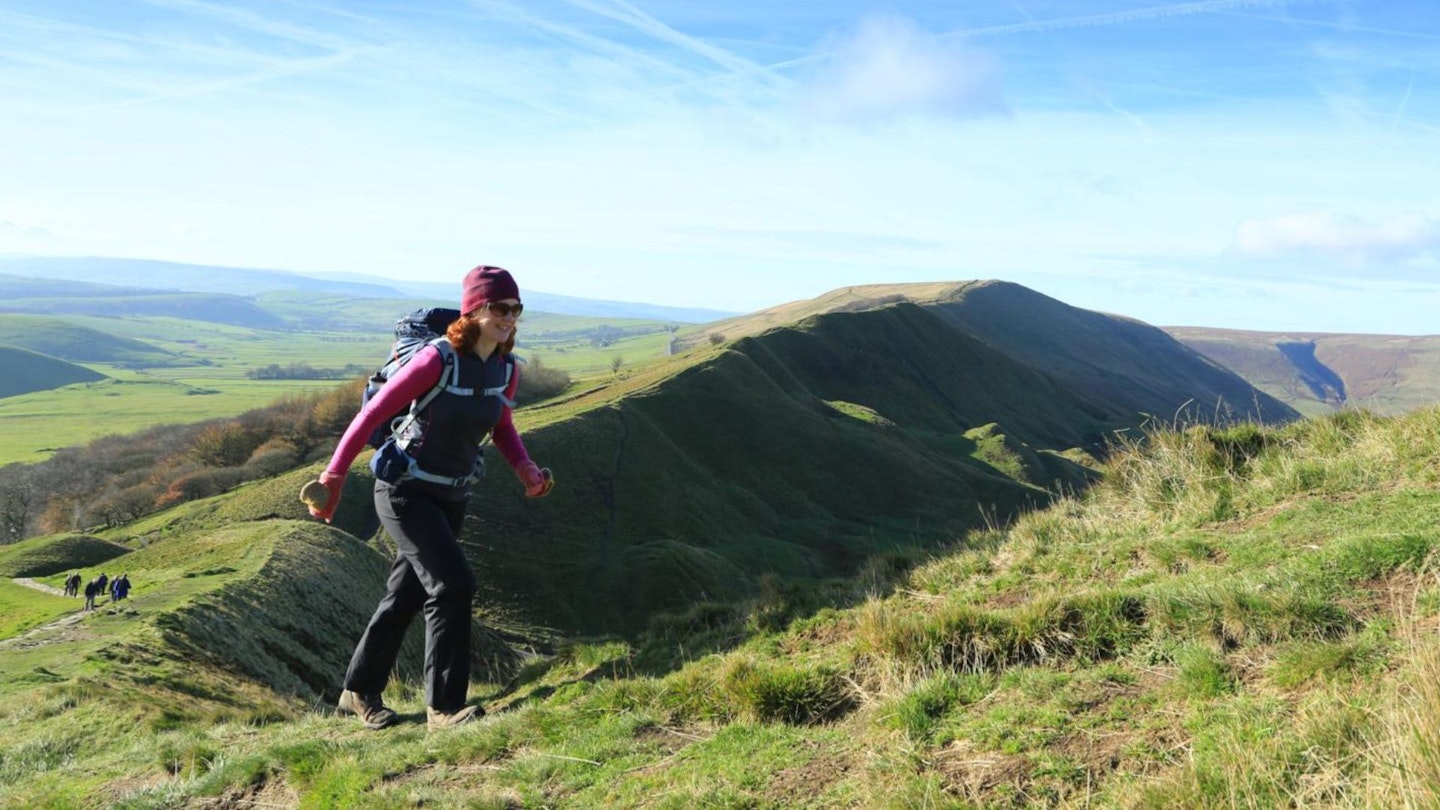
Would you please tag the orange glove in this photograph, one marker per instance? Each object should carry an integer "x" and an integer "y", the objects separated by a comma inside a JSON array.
[
  {"x": 323, "y": 496},
  {"x": 538, "y": 482}
]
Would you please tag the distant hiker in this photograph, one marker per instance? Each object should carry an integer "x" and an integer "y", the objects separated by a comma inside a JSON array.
[
  {"x": 120, "y": 588},
  {"x": 72, "y": 584},
  {"x": 91, "y": 589},
  {"x": 100, "y": 585},
  {"x": 423, "y": 474}
]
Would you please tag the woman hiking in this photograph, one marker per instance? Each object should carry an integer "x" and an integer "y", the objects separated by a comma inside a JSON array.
[{"x": 423, "y": 476}]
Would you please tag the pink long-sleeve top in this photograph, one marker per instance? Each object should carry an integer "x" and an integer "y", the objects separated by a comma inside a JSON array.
[{"x": 411, "y": 382}]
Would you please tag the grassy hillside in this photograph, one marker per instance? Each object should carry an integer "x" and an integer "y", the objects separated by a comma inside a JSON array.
[
  {"x": 62, "y": 554},
  {"x": 27, "y": 372},
  {"x": 230, "y": 625},
  {"x": 1231, "y": 618},
  {"x": 1319, "y": 373},
  {"x": 1116, "y": 366},
  {"x": 76, "y": 343},
  {"x": 1087, "y": 351}
]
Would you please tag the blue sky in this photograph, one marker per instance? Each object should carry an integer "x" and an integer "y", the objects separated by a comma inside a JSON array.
[{"x": 1260, "y": 165}]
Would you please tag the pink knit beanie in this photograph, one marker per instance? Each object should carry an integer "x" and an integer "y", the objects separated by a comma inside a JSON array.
[{"x": 484, "y": 284}]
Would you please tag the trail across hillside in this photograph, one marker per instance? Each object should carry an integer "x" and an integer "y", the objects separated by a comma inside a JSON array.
[
  {"x": 65, "y": 628},
  {"x": 39, "y": 586}
]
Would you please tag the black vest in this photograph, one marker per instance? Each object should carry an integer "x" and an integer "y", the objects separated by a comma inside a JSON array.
[{"x": 446, "y": 437}]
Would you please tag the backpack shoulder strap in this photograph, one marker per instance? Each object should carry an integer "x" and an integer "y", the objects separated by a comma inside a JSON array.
[
  {"x": 449, "y": 379},
  {"x": 449, "y": 375},
  {"x": 500, "y": 390}
]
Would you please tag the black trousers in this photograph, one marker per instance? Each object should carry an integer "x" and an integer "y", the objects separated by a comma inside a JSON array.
[{"x": 431, "y": 573}]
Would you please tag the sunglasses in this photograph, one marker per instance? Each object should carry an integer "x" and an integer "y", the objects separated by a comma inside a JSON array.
[{"x": 503, "y": 309}]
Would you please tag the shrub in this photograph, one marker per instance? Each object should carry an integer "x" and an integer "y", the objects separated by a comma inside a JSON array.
[
  {"x": 224, "y": 445},
  {"x": 331, "y": 413},
  {"x": 200, "y": 484},
  {"x": 119, "y": 508},
  {"x": 539, "y": 382},
  {"x": 272, "y": 458}
]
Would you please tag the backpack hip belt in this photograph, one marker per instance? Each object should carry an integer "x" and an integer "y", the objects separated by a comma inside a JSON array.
[
  {"x": 420, "y": 475},
  {"x": 393, "y": 465}
]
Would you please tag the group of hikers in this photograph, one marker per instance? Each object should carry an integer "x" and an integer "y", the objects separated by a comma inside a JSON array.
[{"x": 119, "y": 588}]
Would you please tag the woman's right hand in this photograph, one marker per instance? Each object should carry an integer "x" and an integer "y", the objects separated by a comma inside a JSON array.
[
  {"x": 323, "y": 496},
  {"x": 538, "y": 481}
]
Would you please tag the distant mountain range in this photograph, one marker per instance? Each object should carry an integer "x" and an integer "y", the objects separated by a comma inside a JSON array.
[{"x": 239, "y": 281}]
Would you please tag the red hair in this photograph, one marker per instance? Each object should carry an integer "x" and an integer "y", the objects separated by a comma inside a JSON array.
[{"x": 464, "y": 333}]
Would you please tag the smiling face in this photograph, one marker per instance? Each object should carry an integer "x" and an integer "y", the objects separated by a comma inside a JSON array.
[{"x": 497, "y": 320}]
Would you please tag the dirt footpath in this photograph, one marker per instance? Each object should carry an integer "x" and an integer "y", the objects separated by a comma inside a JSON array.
[{"x": 39, "y": 586}]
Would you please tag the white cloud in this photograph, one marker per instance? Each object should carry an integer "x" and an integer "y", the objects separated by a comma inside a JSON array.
[
  {"x": 890, "y": 69},
  {"x": 1327, "y": 235}
]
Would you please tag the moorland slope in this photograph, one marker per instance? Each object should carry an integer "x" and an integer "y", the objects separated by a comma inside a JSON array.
[{"x": 1318, "y": 373}]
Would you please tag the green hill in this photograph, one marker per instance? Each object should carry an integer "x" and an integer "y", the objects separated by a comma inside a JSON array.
[
  {"x": 77, "y": 343},
  {"x": 27, "y": 371},
  {"x": 1114, "y": 366},
  {"x": 47, "y": 556},
  {"x": 1120, "y": 364}
]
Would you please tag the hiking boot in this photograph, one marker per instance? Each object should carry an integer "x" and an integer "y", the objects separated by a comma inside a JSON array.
[
  {"x": 438, "y": 719},
  {"x": 369, "y": 708}
]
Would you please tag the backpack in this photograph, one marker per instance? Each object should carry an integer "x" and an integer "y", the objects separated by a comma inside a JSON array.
[{"x": 423, "y": 327}]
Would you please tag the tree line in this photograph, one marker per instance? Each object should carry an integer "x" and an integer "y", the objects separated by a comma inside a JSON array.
[{"x": 303, "y": 371}]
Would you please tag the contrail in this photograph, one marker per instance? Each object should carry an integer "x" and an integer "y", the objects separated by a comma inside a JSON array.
[
  {"x": 257, "y": 23},
  {"x": 1121, "y": 17},
  {"x": 1342, "y": 26},
  {"x": 1086, "y": 21},
  {"x": 624, "y": 12},
  {"x": 275, "y": 70},
  {"x": 1404, "y": 102}
]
